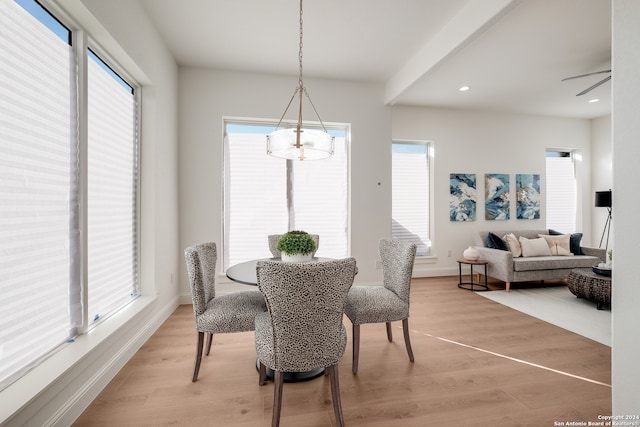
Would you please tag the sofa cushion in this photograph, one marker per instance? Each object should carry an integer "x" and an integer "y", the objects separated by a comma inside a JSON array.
[
  {"x": 574, "y": 241},
  {"x": 559, "y": 244},
  {"x": 514, "y": 245},
  {"x": 554, "y": 262},
  {"x": 534, "y": 247},
  {"x": 495, "y": 242}
]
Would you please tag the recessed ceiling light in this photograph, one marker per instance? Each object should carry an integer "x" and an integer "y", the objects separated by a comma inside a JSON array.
[
  {"x": 591, "y": 101},
  {"x": 464, "y": 88}
]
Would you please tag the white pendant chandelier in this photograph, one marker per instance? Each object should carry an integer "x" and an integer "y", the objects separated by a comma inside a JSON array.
[{"x": 299, "y": 143}]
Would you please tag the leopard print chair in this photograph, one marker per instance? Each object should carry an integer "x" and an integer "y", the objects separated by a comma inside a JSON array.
[
  {"x": 303, "y": 329},
  {"x": 273, "y": 244},
  {"x": 233, "y": 312},
  {"x": 388, "y": 303}
]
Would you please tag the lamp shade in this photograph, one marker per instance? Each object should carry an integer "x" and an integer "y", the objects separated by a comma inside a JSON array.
[{"x": 603, "y": 199}]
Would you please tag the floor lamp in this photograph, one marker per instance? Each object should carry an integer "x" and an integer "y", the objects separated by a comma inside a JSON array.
[{"x": 603, "y": 200}]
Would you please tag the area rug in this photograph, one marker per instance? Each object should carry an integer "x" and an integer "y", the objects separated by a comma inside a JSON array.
[{"x": 558, "y": 306}]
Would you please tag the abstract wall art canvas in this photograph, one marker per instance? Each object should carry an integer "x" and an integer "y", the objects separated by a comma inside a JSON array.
[
  {"x": 496, "y": 197},
  {"x": 528, "y": 196},
  {"x": 462, "y": 201}
]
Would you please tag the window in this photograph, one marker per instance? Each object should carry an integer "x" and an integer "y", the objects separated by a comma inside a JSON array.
[
  {"x": 43, "y": 212},
  {"x": 112, "y": 183},
  {"x": 410, "y": 194},
  {"x": 561, "y": 190},
  {"x": 264, "y": 195}
]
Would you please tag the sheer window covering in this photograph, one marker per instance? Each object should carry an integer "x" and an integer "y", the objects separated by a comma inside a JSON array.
[
  {"x": 266, "y": 195},
  {"x": 112, "y": 183},
  {"x": 37, "y": 179},
  {"x": 40, "y": 216},
  {"x": 561, "y": 191},
  {"x": 410, "y": 194}
]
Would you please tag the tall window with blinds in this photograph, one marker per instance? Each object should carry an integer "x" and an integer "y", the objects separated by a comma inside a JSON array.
[
  {"x": 43, "y": 210},
  {"x": 37, "y": 170},
  {"x": 112, "y": 183},
  {"x": 561, "y": 189},
  {"x": 410, "y": 194},
  {"x": 265, "y": 195}
]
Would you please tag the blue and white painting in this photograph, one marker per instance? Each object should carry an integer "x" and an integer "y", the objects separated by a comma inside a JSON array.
[
  {"x": 496, "y": 197},
  {"x": 528, "y": 196},
  {"x": 462, "y": 202}
]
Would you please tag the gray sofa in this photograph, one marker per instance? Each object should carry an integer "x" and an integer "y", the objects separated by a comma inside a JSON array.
[{"x": 503, "y": 266}]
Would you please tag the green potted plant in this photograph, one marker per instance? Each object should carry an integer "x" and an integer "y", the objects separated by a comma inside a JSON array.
[{"x": 296, "y": 246}]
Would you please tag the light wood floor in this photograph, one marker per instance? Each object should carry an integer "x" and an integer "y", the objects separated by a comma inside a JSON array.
[{"x": 477, "y": 363}]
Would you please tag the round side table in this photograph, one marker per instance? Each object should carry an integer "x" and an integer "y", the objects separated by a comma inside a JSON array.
[{"x": 471, "y": 285}]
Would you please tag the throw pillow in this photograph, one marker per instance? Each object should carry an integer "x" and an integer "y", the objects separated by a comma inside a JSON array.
[
  {"x": 574, "y": 242},
  {"x": 514, "y": 245},
  {"x": 534, "y": 247},
  {"x": 495, "y": 242},
  {"x": 558, "y": 244}
]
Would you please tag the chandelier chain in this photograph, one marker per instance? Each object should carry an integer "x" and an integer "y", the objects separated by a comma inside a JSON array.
[{"x": 300, "y": 48}]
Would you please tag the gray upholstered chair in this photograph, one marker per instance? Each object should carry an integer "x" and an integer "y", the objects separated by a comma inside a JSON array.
[
  {"x": 388, "y": 303},
  {"x": 233, "y": 312},
  {"x": 273, "y": 243},
  {"x": 303, "y": 328}
]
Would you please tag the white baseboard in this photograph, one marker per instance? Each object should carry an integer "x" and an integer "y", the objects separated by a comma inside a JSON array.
[{"x": 57, "y": 391}]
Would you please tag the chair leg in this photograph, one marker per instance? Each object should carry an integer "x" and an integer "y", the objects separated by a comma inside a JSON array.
[
  {"x": 335, "y": 395},
  {"x": 389, "y": 334},
  {"x": 199, "y": 346},
  {"x": 277, "y": 398},
  {"x": 209, "y": 339},
  {"x": 407, "y": 341},
  {"x": 262, "y": 374},
  {"x": 508, "y": 286},
  {"x": 356, "y": 348}
]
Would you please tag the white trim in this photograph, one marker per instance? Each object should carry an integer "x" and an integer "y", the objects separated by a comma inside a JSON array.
[{"x": 57, "y": 391}]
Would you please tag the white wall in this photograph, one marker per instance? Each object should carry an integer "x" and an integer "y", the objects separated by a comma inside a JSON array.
[
  {"x": 484, "y": 142},
  {"x": 206, "y": 96},
  {"x": 626, "y": 152},
  {"x": 58, "y": 390},
  {"x": 602, "y": 176}
]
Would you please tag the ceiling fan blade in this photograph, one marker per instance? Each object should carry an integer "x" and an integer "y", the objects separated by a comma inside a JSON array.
[
  {"x": 585, "y": 75},
  {"x": 590, "y": 88}
]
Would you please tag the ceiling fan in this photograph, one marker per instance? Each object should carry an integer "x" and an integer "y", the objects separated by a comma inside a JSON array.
[{"x": 590, "y": 88}]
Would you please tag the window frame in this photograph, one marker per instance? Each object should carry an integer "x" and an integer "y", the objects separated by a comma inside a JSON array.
[
  {"x": 81, "y": 43},
  {"x": 272, "y": 123},
  {"x": 575, "y": 156}
]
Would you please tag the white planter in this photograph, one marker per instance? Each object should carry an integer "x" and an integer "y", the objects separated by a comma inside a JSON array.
[{"x": 296, "y": 257}]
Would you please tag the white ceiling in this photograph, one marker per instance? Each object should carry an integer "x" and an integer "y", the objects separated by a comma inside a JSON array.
[{"x": 513, "y": 53}]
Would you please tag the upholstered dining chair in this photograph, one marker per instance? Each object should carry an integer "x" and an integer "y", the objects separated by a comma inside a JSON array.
[
  {"x": 234, "y": 312},
  {"x": 388, "y": 303},
  {"x": 302, "y": 329},
  {"x": 273, "y": 243}
]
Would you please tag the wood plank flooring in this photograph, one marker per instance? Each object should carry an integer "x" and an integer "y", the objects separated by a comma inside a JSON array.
[{"x": 477, "y": 363}]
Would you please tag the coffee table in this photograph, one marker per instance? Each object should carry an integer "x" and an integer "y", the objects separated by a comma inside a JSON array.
[{"x": 584, "y": 283}]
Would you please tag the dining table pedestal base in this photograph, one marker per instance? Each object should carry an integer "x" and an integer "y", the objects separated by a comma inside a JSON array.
[{"x": 293, "y": 377}]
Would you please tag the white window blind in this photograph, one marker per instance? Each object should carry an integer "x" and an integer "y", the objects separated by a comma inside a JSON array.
[
  {"x": 37, "y": 179},
  {"x": 561, "y": 191},
  {"x": 410, "y": 194},
  {"x": 255, "y": 195},
  {"x": 112, "y": 183},
  {"x": 319, "y": 200},
  {"x": 260, "y": 201}
]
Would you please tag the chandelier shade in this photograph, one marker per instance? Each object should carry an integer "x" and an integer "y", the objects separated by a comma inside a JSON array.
[
  {"x": 313, "y": 144},
  {"x": 300, "y": 143}
]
